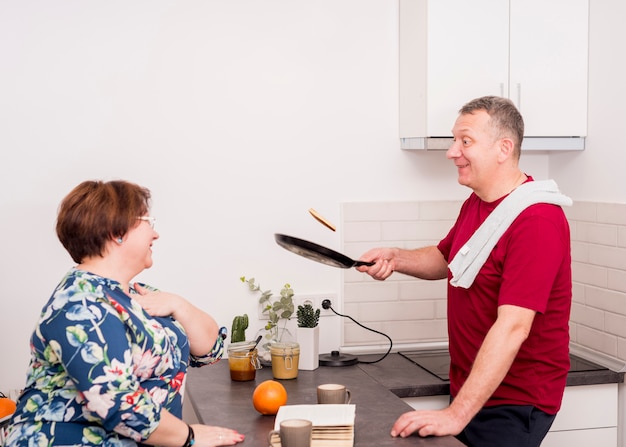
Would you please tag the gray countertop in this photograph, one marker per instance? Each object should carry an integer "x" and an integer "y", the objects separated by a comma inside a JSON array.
[
  {"x": 217, "y": 400},
  {"x": 376, "y": 392}
]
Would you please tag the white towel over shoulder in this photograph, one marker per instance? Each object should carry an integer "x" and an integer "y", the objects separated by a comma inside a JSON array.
[{"x": 471, "y": 257}]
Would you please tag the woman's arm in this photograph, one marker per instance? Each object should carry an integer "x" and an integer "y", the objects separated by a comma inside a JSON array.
[
  {"x": 202, "y": 330},
  {"x": 173, "y": 432}
]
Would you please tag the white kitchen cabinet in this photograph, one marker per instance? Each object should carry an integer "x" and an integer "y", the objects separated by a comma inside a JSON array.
[
  {"x": 532, "y": 51},
  {"x": 601, "y": 437},
  {"x": 428, "y": 402},
  {"x": 588, "y": 416}
]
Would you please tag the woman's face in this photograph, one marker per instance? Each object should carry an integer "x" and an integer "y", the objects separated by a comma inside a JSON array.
[{"x": 138, "y": 243}]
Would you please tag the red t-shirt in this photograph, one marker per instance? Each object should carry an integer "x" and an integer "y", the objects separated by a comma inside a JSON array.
[{"x": 530, "y": 267}]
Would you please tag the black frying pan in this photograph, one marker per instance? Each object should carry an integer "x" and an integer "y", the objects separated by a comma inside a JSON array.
[{"x": 317, "y": 252}]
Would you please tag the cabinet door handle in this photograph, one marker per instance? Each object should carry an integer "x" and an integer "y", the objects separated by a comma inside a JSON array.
[{"x": 519, "y": 96}]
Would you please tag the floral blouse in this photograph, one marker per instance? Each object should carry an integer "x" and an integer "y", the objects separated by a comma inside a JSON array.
[{"x": 101, "y": 368}]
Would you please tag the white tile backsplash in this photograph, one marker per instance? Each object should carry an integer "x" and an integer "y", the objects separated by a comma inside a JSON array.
[
  {"x": 621, "y": 236},
  {"x": 372, "y": 212},
  {"x": 615, "y": 324},
  {"x": 409, "y": 310},
  {"x": 362, "y": 231},
  {"x": 593, "y": 318},
  {"x": 413, "y": 311},
  {"x": 611, "y": 213},
  {"x": 589, "y": 274},
  {"x": 611, "y": 257},
  {"x": 599, "y": 276},
  {"x": 616, "y": 280},
  {"x": 582, "y": 212},
  {"x": 595, "y": 233}
]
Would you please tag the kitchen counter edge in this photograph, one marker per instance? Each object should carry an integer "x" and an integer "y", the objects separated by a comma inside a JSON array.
[{"x": 405, "y": 379}]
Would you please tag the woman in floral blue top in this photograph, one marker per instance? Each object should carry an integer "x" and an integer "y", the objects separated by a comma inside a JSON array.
[{"x": 109, "y": 356}]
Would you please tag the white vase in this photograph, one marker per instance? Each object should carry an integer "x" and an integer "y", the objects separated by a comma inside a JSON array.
[{"x": 309, "y": 340}]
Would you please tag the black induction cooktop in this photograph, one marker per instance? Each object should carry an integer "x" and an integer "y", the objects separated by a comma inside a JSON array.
[
  {"x": 438, "y": 362},
  {"x": 435, "y": 362}
]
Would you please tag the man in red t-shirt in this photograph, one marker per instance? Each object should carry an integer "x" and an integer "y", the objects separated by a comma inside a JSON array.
[{"x": 508, "y": 324}]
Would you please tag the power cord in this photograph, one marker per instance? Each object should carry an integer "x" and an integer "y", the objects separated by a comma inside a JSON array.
[{"x": 326, "y": 304}]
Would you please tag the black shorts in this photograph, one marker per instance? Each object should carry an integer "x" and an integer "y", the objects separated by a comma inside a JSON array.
[{"x": 507, "y": 425}]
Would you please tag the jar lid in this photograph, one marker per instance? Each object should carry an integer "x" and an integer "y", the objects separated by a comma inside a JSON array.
[
  {"x": 241, "y": 346},
  {"x": 287, "y": 347}
]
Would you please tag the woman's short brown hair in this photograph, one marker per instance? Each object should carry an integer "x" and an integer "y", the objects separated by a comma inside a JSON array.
[{"x": 95, "y": 212}]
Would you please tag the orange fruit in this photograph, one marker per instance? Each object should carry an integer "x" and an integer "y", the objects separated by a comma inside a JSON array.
[
  {"x": 268, "y": 396},
  {"x": 7, "y": 407}
]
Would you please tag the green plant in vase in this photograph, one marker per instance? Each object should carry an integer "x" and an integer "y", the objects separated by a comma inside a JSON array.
[{"x": 276, "y": 308}]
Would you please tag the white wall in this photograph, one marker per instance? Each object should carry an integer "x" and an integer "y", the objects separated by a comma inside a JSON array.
[
  {"x": 239, "y": 116},
  {"x": 597, "y": 174}
]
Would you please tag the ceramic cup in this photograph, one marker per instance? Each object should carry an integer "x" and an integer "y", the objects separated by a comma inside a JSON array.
[
  {"x": 333, "y": 393},
  {"x": 293, "y": 433}
]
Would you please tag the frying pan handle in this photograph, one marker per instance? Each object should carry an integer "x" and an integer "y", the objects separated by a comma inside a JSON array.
[{"x": 360, "y": 263}]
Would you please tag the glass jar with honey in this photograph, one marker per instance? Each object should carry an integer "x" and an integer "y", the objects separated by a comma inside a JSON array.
[
  {"x": 285, "y": 359},
  {"x": 243, "y": 361}
]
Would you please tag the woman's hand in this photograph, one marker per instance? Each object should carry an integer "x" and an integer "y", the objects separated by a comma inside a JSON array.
[
  {"x": 157, "y": 304},
  {"x": 200, "y": 327},
  {"x": 209, "y": 436},
  {"x": 172, "y": 431}
]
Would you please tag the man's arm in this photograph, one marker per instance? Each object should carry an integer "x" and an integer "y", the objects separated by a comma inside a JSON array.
[
  {"x": 493, "y": 361},
  {"x": 423, "y": 263}
]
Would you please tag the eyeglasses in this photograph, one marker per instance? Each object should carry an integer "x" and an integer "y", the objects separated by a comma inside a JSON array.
[{"x": 148, "y": 219}]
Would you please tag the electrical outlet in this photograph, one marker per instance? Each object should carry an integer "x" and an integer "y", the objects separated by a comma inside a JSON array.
[{"x": 316, "y": 301}]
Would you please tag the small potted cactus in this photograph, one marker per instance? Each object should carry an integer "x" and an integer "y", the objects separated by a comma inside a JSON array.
[
  {"x": 308, "y": 336},
  {"x": 238, "y": 331},
  {"x": 307, "y": 316}
]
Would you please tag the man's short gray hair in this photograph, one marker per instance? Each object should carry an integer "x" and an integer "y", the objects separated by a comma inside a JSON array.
[{"x": 505, "y": 118}]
